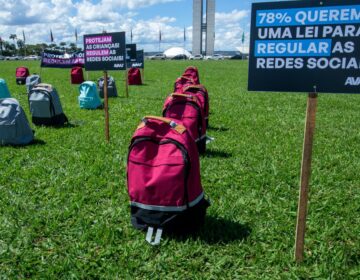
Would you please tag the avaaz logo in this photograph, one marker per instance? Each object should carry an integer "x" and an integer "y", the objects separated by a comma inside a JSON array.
[{"x": 352, "y": 81}]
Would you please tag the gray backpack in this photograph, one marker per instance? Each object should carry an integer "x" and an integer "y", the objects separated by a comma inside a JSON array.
[
  {"x": 45, "y": 106},
  {"x": 112, "y": 91},
  {"x": 32, "y": 81},
  {"x": 14, "y": 126}
]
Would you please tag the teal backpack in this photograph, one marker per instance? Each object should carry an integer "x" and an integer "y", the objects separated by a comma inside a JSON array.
[
  {"x": 89, "y": 96},
  {"x": 4, "y": 91}
]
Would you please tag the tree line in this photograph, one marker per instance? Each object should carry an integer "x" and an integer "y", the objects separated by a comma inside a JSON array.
[{"x": 17, "y": 47}]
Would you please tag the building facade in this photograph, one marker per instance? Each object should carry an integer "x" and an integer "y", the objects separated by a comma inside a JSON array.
[{"x": 203, "y": 26}]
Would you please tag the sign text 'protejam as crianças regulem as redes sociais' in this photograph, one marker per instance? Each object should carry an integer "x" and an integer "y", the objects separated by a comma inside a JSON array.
[{"x": 105, "y": 51}]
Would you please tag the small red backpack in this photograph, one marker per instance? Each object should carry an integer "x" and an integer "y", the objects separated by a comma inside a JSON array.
[
  {"x": 77, "y": 76},
  {"x": 134, "y": 76},
  {"x": 188, "y": 110},
  {"x": 163, "y": 179},
  {"x": 21, "y": 74}
]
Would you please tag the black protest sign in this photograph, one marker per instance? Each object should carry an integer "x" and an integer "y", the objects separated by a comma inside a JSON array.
[
  {"x": 139, "y": 62},
  {"x": 131, "y": 52},
  {"x": 105, "y": 51},
  {"x": 305, "y": 46}
]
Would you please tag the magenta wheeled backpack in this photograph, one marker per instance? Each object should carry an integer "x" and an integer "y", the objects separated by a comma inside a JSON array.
[
  {"x": 193, "y": 73},
  {"x": 181, "y": 83},
  {"x": 188, "y": 110},
  {"x": 22, "y": 73},
  {"x": 77, "y": 76},
  {"x": 134, "y": 77},
  {"x": 163, "y": 179},
  {"x": 202, "y": 94}
]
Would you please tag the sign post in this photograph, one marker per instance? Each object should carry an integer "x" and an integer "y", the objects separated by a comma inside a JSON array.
[
  {"x": 105, "y": 51},
  {"x": 305, "y": 175},
  {"x": 297, "y": 46},
  {"x": 126, "y": 84},
  {"x": 106, "y": 107}
]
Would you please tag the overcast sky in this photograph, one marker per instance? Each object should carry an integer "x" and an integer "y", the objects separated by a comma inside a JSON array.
[{"x": 144, "y": 17}]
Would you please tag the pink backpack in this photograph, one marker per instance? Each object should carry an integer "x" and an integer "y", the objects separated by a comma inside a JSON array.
[
  {"x": 163, "y": 179},
  {"x": 134, "y": 76},
  {"x": 22, "y": 73},
  {"x": 182, "y": 82},
  {"x": 77, "y": 76},
  {"x": 193, "y": 73},
  {"x": 202, "y": 94},
  {"x": 188, "y": 110}
]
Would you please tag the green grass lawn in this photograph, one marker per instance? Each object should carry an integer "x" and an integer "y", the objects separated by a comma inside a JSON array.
[{"x": 64, "y": 208}]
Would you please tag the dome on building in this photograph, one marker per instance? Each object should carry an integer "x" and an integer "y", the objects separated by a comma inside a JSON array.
[{"x": 172, "y": 52}]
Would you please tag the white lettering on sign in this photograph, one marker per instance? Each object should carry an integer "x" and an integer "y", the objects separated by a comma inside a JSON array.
[
  {"x": 333, "y": 63},
  {"x": 307, "y": 32},
  {"x": 275, "y": 33},
  {"x": 137, "y": 65},
  {"x": 351, "y": 81},
  {"x": 93, "y": 59},
  {"x": 112, "y": 58},
  {"x": 341, "y": 31},
  {"x": 293, "y": 48},
  {"x": 279, "y": 63},
  {"x": 98, "y": 40},
  {"x": 327, "y": 15}
]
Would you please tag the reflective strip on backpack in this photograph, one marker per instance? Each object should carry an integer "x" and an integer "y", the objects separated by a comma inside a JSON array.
[{"x": 168, "y": 208}]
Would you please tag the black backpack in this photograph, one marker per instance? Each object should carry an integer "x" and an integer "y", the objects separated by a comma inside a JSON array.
[{"x": 111, "y": 86}]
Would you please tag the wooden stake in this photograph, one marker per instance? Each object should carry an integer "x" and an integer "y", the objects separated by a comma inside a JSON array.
[
  {"x": 106, "y": 108},
  {"x": 305, "y": 176},
  {"x": 126, "y": 84},
  {"x": 142, "y": 75}
]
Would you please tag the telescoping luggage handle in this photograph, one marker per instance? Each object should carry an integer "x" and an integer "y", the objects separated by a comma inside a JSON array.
[{"x": 177, "y": 127}]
